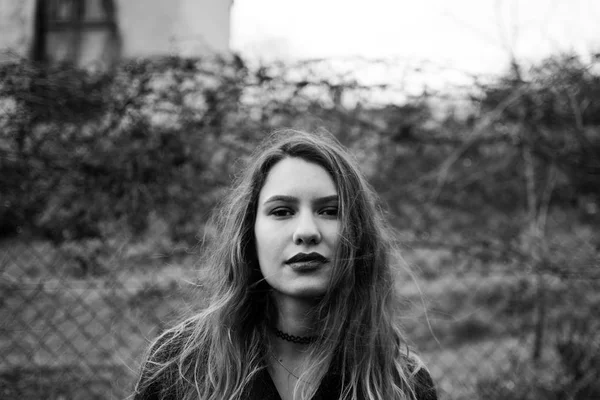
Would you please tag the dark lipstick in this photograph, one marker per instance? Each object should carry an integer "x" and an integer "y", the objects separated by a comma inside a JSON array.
[{"x": 302, "y": 258}]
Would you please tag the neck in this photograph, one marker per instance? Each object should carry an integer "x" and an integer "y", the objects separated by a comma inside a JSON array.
[{"x": 294, "y": 317}]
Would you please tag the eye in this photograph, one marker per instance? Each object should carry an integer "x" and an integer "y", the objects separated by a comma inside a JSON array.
[
  {"x": 281, "y": 212},
  {"x": 330, "y": 211}
]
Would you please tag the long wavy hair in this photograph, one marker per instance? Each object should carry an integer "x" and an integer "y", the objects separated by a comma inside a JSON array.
[{"x": 217, "y": 352}]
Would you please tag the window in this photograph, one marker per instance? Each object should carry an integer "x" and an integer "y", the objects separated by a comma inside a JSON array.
[{"x": 82, "y": 32}]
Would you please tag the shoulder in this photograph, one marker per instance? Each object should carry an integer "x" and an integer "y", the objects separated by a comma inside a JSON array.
[
  {"x": 424, "y": 386},
  {"x": 421, "y": 378},
  {"x": 160, "y": 369}
]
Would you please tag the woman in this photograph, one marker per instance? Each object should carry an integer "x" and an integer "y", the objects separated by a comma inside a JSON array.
[{"x": 303, "y": 302}]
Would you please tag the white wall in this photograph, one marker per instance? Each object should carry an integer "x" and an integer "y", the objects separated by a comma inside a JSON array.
[
  {"x": 205, "y": 26},
  {"x": 146, "y": 26},
  {"x": 16, "y": 32}
]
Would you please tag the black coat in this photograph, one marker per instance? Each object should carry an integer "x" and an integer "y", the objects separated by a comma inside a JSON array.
[{"x": 263, "y": 388}]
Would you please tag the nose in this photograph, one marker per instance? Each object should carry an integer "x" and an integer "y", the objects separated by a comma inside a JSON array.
[{"x": 307, "y": 231}]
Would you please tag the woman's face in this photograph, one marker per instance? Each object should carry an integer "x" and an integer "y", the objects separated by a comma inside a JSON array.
[{"x": 297, "y": 228}]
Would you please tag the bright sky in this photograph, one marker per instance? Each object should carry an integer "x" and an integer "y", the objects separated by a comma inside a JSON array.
[{"x": 475, "y": 36}]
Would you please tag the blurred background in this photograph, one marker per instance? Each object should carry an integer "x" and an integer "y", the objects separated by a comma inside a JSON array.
[{"x": 478, "y": 122}]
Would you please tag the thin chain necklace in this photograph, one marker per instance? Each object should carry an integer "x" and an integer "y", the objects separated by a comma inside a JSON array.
[{"x": 284, "y": 367}]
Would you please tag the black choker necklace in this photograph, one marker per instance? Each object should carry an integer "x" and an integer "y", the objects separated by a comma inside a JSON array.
[{"x": 294, "y": 339}]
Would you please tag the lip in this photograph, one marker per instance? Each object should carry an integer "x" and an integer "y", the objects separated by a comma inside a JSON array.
[
  {"x": 306, "y": 266},
  {"x": 303, "y": 258},
  {"x": 302, "y": 262}
]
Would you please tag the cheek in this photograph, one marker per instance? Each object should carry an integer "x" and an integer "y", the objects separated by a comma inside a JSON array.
[
  {"x": 265, "y": 240},
  {"x": 333, "y": 233},
  {"x": 258, "y": 229}
]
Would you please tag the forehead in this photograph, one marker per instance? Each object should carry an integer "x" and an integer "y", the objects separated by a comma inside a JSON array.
[{"x": 297, "y": 177}]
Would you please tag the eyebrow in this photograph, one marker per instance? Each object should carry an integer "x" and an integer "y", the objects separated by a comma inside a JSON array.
[{"x": 292, "y": 199}]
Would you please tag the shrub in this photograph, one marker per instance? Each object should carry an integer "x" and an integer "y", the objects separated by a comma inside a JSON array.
[
  {"x": 521, "y": 381},
  {"x": 81, "y": 148},
  {"x": 576, "y": 376},
  {"x": 578, "y": 346}
]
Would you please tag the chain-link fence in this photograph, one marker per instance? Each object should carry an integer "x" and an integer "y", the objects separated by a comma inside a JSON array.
[
  {"x": 71, "y": 330},
  {"x": 104, "y": 191}
]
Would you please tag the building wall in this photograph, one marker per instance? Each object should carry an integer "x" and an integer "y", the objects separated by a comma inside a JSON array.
[
  {"x": 16, "y": 33},
  {"x": 145, "y": 27},
  {"x": 205, "y": 25}
]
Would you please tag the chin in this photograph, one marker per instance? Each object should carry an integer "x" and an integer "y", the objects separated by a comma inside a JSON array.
[
  {"x": 310, "y": 293},
  {"x": 304, "y": 294},
  {"x": 304, "y": 291}
]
